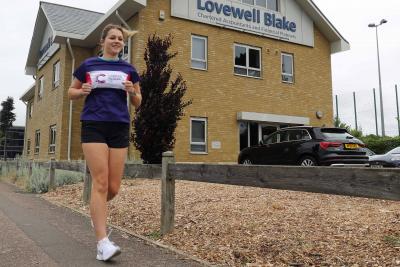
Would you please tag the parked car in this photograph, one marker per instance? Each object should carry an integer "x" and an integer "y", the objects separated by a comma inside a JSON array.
[
  {"x": 306, "y": 146},
  {"x": 390, "y": 159},
  {"x": 368, "y": 151}
]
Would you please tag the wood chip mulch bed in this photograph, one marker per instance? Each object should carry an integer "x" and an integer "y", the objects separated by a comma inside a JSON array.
[{"x": 244, "y": 226}]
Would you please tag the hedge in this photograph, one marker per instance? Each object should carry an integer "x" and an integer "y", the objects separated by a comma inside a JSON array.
[{"x": 380, "y": 145}]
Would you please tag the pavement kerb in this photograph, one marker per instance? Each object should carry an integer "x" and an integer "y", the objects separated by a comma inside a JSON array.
[{"x": 147, "y": 240}]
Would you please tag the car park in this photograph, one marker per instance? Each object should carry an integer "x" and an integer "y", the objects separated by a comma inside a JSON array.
[
  {"x": 390, "y": 159},
  {"x": 306, "y": 146}
]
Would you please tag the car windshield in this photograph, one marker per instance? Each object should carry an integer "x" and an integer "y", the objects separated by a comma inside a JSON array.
[
  {"x": 395, "y": 150},
  {"x": 336, "y": 134}
]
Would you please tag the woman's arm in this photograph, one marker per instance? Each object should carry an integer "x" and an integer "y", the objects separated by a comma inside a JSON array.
[
  {"x": 135, "y": 95},
  {"x": 78, "y": 89}
]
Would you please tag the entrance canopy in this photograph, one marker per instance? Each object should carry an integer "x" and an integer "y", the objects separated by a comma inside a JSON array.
[{"x": 272, "y": 118}]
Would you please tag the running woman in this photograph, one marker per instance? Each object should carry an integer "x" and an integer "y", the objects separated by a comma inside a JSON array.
[{"x": 105, "y": 82}]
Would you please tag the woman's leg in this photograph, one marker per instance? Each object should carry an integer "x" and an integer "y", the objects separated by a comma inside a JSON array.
[
  {"x": 116, "y": 163},
  {"x": 97, "y": 157}
]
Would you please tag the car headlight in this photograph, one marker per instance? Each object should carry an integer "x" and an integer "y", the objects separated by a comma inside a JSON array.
[{"x": 395, "y": 158}]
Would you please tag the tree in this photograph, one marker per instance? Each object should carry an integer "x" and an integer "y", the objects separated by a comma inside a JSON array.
[
  {"x": 339, "y": 124},
  {"x": 7, "y": 116},
  {"x": 162, "y": 105}
]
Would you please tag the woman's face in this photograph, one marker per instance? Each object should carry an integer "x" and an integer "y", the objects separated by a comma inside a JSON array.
[{"x": 113, "y": 43}]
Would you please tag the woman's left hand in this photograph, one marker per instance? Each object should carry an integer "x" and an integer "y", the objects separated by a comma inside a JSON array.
[{"x": 129, "y": 88}]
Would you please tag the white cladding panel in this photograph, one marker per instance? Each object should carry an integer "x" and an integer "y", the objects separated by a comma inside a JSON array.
[
  {"x": 48, "y": 33},
  {"x": 291, "y": 24}
]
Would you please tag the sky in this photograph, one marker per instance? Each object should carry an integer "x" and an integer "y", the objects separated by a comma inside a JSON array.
[{"x": 355, "y": 70}]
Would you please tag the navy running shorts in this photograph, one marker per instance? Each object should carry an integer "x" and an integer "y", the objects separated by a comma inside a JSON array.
[{"x": 114, "y": 134}]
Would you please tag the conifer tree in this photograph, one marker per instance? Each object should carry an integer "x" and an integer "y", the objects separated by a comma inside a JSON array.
[
  {"x": 162, "y": 104},
  {"x": 7, "y": 116}
]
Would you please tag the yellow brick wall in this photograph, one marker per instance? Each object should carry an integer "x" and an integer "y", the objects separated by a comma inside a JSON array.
[
  {"x": 53, "y": 108},
  {"x": 218, "y": 94},
  {"x": 47, "y": 110},
  {"x": 80, "y": 54}
]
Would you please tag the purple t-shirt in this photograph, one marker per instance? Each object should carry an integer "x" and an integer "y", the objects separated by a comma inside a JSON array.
[{"x": 108, "y": 99}]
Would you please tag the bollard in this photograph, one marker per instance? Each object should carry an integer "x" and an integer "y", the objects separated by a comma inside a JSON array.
[
  {"x": 52, "y": 182},
  {"x": 87, "y": 185},
  {"x": 167, "y": 194}
]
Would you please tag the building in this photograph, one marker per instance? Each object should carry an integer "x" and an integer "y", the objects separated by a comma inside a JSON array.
[
  {"x": 251, "y": 66},
  {"x": 13, "y": 143}
]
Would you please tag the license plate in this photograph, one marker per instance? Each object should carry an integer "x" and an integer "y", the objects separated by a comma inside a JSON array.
[{"x": 351, "y": 146}]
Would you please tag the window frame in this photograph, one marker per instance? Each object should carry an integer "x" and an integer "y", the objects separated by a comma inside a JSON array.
[
  {"x": 248, "y": 47},
  {"x": 30, "y": 110},
  {"x": 278, "y": 4},
  {"x": 28, "y": 146},
  {"x": 287, "y": 74},
  {"x": 205, "y": 136},
  {"x": 205, "y": 61},
  {"x": 56, "y": 73},
  {"x": 37, "y": 142},
  {"x": 52, "y": 141},
  {"x": 41, "y": 88}
]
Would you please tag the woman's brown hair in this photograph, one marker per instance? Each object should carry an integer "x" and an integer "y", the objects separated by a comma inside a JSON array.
[{"x": 126, "y": 33}]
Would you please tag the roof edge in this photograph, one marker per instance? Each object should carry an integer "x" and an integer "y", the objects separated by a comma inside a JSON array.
[{"x": 338, "y": 42}]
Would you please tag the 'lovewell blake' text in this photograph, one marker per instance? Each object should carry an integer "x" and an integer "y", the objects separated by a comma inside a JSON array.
[{"x": 254, "y": 15}]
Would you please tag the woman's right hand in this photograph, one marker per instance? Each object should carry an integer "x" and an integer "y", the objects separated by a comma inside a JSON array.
[{"x": 86, "y": 89}]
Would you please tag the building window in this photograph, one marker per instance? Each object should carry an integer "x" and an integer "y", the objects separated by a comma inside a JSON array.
[
  {"x": 199, "y": 52},
  {"x": 52, "y": 141},
  {"x": 198, "y": 135},
  {"x": 28, "y": 146},
  {"x": 30, "y": 109},
  {"x": 287, "y": 68},
  {"x": 124, "y": 55},
  {"x": 247, "y": 61},
  {"x": 37, "y": 141},
  {"x": 41, "y": 88},
  {"x": 270, "y": 4},
  {"x": 56, "y": 74},
  {"x": 273, "y": 5}
]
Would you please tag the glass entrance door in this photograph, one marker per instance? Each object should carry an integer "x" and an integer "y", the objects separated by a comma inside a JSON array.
[
  {"x": 266, "y": 130},
  {"x": 251, "y": 133}
]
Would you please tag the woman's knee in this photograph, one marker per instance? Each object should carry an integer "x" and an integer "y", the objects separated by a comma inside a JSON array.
[
  {"x": 100, "y": 185},
  {"x": 113, "y": 190}
]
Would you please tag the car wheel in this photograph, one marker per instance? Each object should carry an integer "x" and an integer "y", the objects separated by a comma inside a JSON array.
[
  {"x": 247, "y": 161},
  {"x": 308, "y": 161}
]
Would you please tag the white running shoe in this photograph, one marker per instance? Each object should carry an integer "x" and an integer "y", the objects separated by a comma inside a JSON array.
[{"x": 107, "y": 250}]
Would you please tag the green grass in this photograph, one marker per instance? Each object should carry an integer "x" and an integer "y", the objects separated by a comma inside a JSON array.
[
  {"x": 154, "y": 235},
  {"x": 392, "y": 240}
]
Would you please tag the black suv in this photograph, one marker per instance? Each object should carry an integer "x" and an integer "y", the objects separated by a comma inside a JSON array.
[{"x": 306, "y": 146}]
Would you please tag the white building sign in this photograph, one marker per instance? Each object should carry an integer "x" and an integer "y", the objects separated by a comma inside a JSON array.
[{"x": 289, "y": 24}]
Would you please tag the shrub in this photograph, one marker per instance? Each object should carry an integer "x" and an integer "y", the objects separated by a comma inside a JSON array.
[
  {"x": 381, "y": 145},
  {"x": 38, "y": 182},
  {"x": 68, "y": 177}
]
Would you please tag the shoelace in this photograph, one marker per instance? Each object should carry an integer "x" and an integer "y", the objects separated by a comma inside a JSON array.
[{"x": 109, "y": 233}]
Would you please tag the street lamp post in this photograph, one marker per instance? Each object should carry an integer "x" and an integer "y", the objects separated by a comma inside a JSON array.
[{"x": 373, "y": 25}]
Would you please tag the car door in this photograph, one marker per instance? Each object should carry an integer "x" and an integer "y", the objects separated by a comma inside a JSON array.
[
  {"x": 289, "y": 147},
  {"x": 274, "y": 150},
  {"x": 263, "y": 154},
  {"x": 281, "y": 148}
]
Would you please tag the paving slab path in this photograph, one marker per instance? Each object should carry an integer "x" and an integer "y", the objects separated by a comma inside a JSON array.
[{"x": 34, "y": 232}]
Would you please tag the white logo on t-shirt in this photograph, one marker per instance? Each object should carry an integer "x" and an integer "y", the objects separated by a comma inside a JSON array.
[{"x": 108, "y": 79}]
